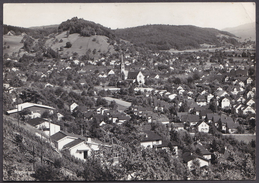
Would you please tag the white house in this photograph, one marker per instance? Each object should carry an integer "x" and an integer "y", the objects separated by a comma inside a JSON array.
[
  {"x": 250, "y": 102},
  {"x": 81, "y": 149},
  {"x": 209, "y": 97},
  {"x": 48, "y": 127},
  {"x": 61, "y": 138},
  {"x": 190, "y": 158},
  {"x": 203, "y": 127},
  {"x": 249, "y": 109},
  {"x": 111, "y": 72},
  {"x": 150, "y": 139},
  {"x": 225, "y": 103},
  {"x": 36, "y": 109},
  {"x": 250, "y": 94},
  {"x": 249, "y": 80},
  {"x": 172, "y": 96},
  {"x": 73, "y": 106}
]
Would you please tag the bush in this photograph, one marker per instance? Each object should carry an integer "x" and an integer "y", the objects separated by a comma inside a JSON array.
[{"x": 68, "y": 45}]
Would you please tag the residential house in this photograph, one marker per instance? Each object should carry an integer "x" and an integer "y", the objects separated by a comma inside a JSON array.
[
  {"x": 36, "y": 109},
  {"x": 250, "y": 102},
  {"x": 249, "y": 80},
  {"x": 203, "y": 127},
  {"x": 60, "y": 116},
  {"x": 250, "y": 94},
  {"x": 248, "y": 110},
  {"x": 45, "y": 125},
  {"x": 110, "y": 72},
  {"x": 241, "y": 100},
  {"x": 189, "y": 159},
  {"x": 201, "y": 100},
  {"x": 203, "y": 151},
  {"x": 150, "y": 139},
  {"x": 209, "y": 97},
  {"x": 225, "y": 103},
  {"x": 73, "y": 106},
  {"x": 163, "y": 119},
  {"x": 165, "y": 146},
  {"x": 178, "y": 126},
  {"x": 61, "y": 138}
]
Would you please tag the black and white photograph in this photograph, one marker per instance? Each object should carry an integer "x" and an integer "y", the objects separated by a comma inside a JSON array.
[{"x": 129, "y": 91}]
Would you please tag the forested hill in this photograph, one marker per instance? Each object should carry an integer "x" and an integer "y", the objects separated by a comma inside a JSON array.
[
  {"x": 85, "y": 28},
  {"x": 164, "y": 37}
]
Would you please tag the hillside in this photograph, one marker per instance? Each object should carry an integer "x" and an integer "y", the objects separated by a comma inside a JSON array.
[
  {"x": 25, "y": 155},
  {"x": 95, "y": 45},
  {"x": 164, "y": 37},
  {"x": 246, "y": 31}
]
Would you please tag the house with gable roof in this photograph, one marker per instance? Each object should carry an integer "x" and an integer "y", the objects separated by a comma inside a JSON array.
[
  {"x": 203, "y": 127},
  {"x": 150, "y": 139},
  {"x": 36, "y": 109},
  {"x": 189, "y": 158},
  {"x": 137, "y": 77},
  {"x": 45, "y": 125}
]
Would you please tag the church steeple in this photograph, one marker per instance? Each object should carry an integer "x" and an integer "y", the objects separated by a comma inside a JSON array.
[{"x": 122, "y": 64}]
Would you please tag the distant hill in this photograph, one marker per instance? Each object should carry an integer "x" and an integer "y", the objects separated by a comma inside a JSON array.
[
  {"x": 45, "y": 27},
  {"x": 85, "y": 28},
  {"x": 165, "y": 37},
  {"x": 34, "y": 32},
  {"x": 246, "y": 31}
]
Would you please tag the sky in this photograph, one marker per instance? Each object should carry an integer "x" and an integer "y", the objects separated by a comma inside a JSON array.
[{"x": 122, "y": 15}]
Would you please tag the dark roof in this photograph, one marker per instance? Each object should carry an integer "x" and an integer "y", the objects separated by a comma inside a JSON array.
[
  {"x": 59, "y": 135},
  {"x": 188, "y": 156},
  {"x": 165, "y": 143},
  {"x": 197, "y": 145},
  {"x": 73, "y": 143},
  {"x": 193, "y": 118},
  {"x": 151, "y": 136},
  {"x": 205, "y": 112},
  {"x": 36, "y": 121},
  {"x": 132, "y": 75},
  {"x": 213, "y": 116}
]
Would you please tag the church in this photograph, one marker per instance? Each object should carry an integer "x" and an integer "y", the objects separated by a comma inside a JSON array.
[{"x": 134, "y": 77}]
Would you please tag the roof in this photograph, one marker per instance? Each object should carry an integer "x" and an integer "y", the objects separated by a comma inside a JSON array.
[
  {"x": 151, "y": 136},
  {"x": 188, "y": 156},
  {"x": 26, "y": 105},
  {"x": 197, "y": 145},
  {"x": 193, "y": 118},
  {"x": 73, "y": 143},
  {"x": 59, "y": 135},
  {"x": 36, "y": 121},
  {"x": 213, "y": 116},
  {"x": 132, "y": 75}
]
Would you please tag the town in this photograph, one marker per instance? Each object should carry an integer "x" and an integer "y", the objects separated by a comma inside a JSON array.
[{"x": 132, "y": 113}]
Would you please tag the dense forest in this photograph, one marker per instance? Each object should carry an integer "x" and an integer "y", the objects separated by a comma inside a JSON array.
[
  {"x": 35, "y": 33},
  {"x": 164, "y": 37},
  {"x": 85, "y": 28}
]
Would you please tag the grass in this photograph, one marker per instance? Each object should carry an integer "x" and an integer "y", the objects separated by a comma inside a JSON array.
[
  {"x": 14, "y": 42},
  {"x": 80, "y": 44}
]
